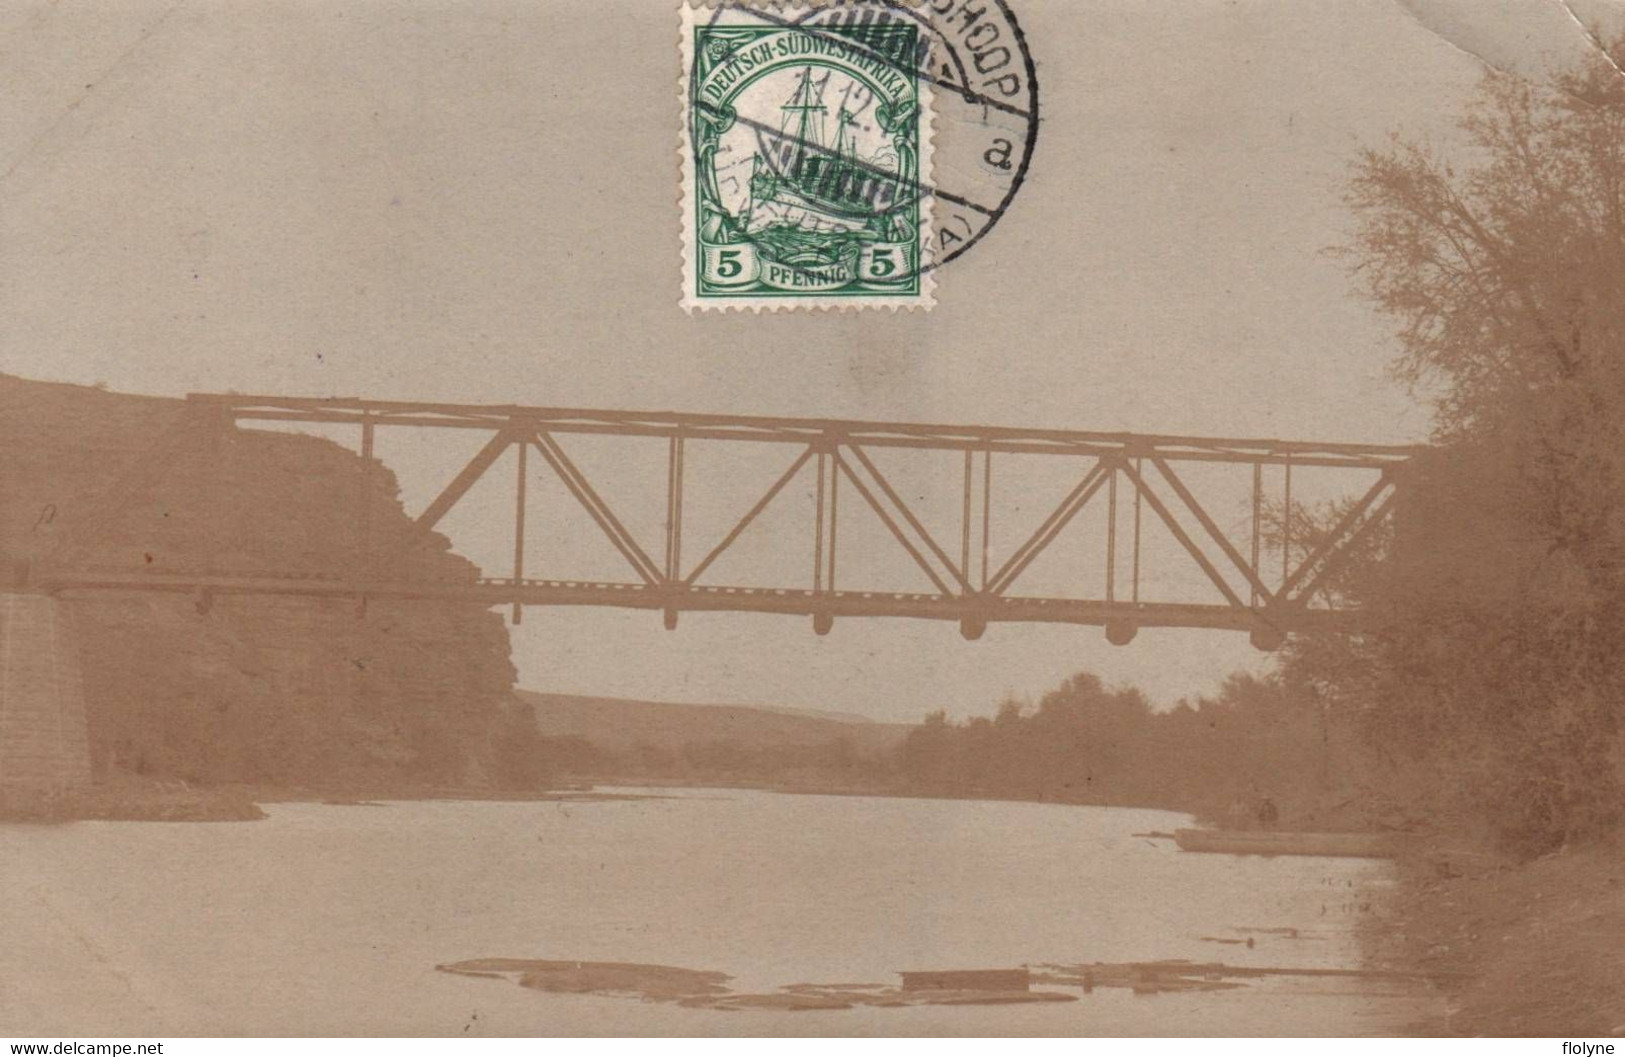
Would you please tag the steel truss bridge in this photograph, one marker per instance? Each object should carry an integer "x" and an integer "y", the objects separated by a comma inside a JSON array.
[{"x": 1139, "y": 478}]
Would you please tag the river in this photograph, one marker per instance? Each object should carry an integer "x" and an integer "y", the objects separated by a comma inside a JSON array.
[{"x": 327, "y": 919}]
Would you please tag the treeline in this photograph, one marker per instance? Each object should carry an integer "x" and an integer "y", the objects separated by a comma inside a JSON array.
[
  {"x": 1083, "y": 743},
  {"x": 833, "y": 765}
]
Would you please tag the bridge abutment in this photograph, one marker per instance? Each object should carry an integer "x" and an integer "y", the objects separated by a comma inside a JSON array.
[{"x": 44, "y": 739}]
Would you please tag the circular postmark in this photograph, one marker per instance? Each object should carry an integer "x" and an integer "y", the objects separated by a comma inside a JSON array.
[
  {"x": 984, "y": 99},
  {"x": 817, "y": 134}
]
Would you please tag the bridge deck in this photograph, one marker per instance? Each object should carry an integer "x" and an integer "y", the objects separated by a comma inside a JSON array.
[{"x": 712, "y": 598}]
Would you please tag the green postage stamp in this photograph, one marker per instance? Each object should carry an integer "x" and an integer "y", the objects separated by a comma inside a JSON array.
[{"x": 806, "y": 159}]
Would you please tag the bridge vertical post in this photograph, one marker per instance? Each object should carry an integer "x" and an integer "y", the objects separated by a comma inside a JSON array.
[
  {"x": 674, "y": 525},
  {"x": 674, "y": 508},
  {"x": 1111, "y": 533},
  {"x": 965, "y": 521},
  {"x": 1139, "y": 464},
  {"x": 519, "y": 533},
  {"x": 1286, "y": 528},
  {"x": 975, "y": 517},
  {"x": 987, "y": 507},
  {"x": 973, "y": 618},
  {"x": 1258, "y": 516},
  {"x": 818, "y": 529},
  {"x": 834, "y": 518},
  {"x": 827, "y": 510}
]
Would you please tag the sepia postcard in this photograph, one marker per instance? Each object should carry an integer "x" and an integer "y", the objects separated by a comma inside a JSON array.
[{"x": 903, "y": 518}]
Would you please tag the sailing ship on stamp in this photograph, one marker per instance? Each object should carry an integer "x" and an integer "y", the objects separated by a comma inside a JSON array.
[{"x": 819, "y": 177}]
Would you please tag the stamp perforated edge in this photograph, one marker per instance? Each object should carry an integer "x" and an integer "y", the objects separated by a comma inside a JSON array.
[{"x": 690, "y": 11}]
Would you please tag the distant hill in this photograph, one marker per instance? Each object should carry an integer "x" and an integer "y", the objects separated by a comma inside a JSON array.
[{"x": 619, "y": 724}]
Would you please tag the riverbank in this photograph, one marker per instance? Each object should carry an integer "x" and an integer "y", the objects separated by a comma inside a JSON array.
[
  {"x": 128, "y": 798},
  {"x": 132, "y": 798},
  {"x": 1535, "y": 947}
]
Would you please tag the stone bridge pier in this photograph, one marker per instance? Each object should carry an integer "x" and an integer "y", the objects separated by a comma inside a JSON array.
[{"x": 44, "y": 741}]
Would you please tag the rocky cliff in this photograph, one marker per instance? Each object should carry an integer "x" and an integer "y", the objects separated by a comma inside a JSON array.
[{"x": 271, "y": 691}]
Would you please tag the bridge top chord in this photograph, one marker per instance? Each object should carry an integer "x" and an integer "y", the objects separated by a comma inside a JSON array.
[{"x": 700, "y": 426}]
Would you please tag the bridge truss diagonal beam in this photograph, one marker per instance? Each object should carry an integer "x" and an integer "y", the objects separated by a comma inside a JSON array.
[
  {"x": 466, "y": 478},
  {"x": 1249, "y": 570},
  {"x": 1050, "y": 529},
  {"x": 1172, "y": 524},
  {"x": 913, "y": 520},
  {"x": 1341, "y": 542},
  {"x": 751, "y": 515},
  {"x": 581, "y": 488},
  {"x": 891, "y": 524}
]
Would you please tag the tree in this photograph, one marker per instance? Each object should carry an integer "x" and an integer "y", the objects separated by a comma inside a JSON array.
[
  {"x": 927, "y": 754},
  {"x": 1500, "y": 668}
]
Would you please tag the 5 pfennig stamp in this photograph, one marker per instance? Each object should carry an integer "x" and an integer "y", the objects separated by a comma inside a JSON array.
[{"x": 806, "y": 162}]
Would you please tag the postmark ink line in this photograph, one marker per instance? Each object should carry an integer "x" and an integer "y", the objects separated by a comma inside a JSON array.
[
  {"x": 963, "y": 91},
  {"x": 870, "y": 168}
]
